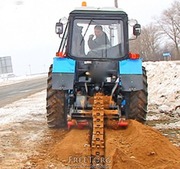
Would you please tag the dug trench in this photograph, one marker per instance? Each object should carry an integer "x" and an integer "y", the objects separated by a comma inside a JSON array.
[{"x": 136, "y": 147}]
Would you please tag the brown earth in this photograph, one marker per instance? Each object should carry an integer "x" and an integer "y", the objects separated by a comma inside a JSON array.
[{"x": 137, "y": 147}]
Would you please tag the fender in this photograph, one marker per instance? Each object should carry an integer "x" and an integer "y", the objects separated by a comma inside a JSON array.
[
  {"x": 63, "y": 73},
  {"x": 131, "y": 75}
]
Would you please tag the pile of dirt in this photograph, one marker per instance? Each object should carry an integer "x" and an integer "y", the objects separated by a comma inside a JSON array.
[
  {"x": 138, "y": 147},
  {"x": 141, "y": 147}
]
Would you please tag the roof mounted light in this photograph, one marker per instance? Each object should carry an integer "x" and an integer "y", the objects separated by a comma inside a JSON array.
[{"x": 84, "y": 3}]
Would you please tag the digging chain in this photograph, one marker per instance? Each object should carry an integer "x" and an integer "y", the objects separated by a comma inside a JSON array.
[{"x": 98, "y": 141}]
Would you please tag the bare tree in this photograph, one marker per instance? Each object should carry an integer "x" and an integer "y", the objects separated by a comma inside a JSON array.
[
  {"x": 148, "y": 43},
  {"x": 169, "y": 24}
]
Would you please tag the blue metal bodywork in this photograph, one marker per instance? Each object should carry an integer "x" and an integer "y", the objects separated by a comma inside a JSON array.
[
  {"x": 130, "y": 66},
  {"x": 66, "y": 65},
  {"x": 63, "y": 65},
  {"x": 130, "y": 73},
  {"x": 63, "y": 73}
]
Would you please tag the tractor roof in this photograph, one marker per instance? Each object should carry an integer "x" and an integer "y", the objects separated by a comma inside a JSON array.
[{"x": 104, "y": 10}]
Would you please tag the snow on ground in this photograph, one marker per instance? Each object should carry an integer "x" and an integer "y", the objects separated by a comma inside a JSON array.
[
  {"x": 174, "y": 125},
  {"x": 163, "y": 90},
  {"x": 24, "y": 109},
  {"x": 5, "y": 80},
  {"x": 163, "y": 85},
  {"x": 164, "y": 93}
]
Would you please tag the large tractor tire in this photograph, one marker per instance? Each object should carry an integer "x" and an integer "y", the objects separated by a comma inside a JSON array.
[
  {"x": 55, "y": 105},
  {"x": 136, "y": 102}
]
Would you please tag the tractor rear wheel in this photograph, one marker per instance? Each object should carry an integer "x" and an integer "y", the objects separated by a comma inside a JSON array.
[
  {"x": 136, "y": 102},
  {"x": 55, "y": 105}
]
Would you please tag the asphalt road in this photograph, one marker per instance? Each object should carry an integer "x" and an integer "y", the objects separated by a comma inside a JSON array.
[{"x": 13, "y": 92}]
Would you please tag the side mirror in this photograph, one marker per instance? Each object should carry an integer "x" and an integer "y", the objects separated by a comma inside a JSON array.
[
  {"x": 59, "y": 28},
  {"x": 137, "y": 29}
]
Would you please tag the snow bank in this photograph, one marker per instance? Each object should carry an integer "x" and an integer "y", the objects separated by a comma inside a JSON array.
[{"x": 163, "y": 85}]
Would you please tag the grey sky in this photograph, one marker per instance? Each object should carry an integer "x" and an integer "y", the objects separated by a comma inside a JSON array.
[{"x": 27, "y": 27}]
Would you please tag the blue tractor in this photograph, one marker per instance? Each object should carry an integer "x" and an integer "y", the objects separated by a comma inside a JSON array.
[{"x": 93, "y": 84}]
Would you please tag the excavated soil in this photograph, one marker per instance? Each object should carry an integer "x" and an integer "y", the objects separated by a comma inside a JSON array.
[{"x": 136, "y": 147}]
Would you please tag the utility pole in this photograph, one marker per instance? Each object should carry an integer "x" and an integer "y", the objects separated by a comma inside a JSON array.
[
  {"x": 29, "y": 69},
  {"x": 116, "y": 3}
]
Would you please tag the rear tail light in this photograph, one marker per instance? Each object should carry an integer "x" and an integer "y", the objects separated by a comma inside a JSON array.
[
  {"x": 60, "y": 54},
  {"x": 134, "y": 56}
]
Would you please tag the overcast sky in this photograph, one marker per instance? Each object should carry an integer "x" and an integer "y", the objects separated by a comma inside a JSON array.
[{"x": 27, "y": 27}]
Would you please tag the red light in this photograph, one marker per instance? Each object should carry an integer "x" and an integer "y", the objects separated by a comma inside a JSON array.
[
  {"x": 60, "y": 54},
  {"x": 134, "y": 56}
]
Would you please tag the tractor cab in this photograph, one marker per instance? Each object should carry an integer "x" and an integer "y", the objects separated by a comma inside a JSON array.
[{"x": 79, "y": 41}]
